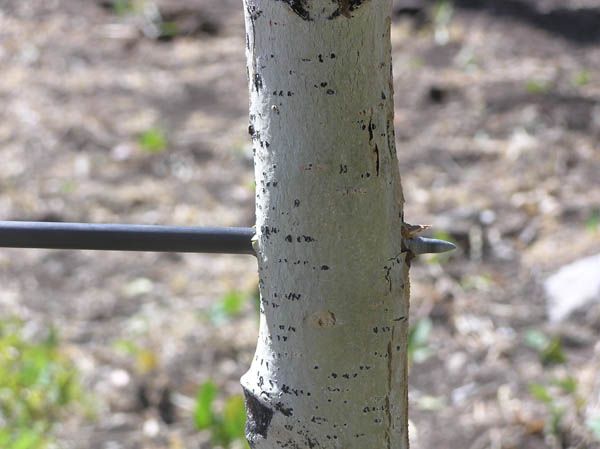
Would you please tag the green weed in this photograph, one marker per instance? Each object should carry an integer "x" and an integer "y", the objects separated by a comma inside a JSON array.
[
  {"x": 38, "y": 384},
  {"x": 145, "y": 360},
  {"x": 442, "y": 15},
  {"x": 550, "y": 350},
  {"x": 169, "y": 30},
  {"x": 68, "y": 186},
  {"x": 581, "y": 78},
  {"x": 123, "y": 7},
  {"x": 477, "y": 282},
  {"x": 226, "y": 425},
  {"x": 229, "y": 306},
  {"x": 418, "y": 341},
  {"x": 153, "y": 140},
  {"x": 556, "y": 396},
  {"x": 592, "y": 223},
  {"x": 537, "y": 87}
]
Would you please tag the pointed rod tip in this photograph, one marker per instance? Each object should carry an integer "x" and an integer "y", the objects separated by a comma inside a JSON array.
[{"x": 424, "y": 245}]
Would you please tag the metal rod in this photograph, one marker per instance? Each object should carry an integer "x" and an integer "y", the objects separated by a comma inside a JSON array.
[
  {"x": 122, "y": 237},
  {"x": 424, "y": 245}
]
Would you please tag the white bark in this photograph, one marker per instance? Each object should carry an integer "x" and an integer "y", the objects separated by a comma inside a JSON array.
[{"x": 330, "y": 366}]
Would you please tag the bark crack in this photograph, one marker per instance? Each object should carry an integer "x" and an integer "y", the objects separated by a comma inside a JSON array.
[
  {"x": 388, "y": 411},
  {"x": 253, "y": 14},
  {"x": 375, "y": 147},
  {"x": 388, "y": 268}
]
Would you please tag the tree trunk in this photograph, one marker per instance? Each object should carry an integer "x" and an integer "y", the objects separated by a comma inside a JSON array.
[{"x": 330, "y": 367}]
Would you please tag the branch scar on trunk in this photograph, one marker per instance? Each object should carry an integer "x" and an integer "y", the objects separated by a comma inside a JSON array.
[{"x": 302, "y": 8}]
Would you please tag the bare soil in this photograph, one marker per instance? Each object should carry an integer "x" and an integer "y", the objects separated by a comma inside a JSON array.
[{"x": 497, "y": 124}]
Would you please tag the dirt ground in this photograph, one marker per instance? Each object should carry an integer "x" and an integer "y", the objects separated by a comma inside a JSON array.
[{"x": 497, "y": 124}]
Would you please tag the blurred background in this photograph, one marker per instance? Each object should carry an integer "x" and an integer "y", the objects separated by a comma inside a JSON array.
[{"x": 135, "y": 111}]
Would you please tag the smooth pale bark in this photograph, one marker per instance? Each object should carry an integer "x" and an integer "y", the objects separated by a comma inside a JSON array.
[{"x": 330, "y": 366}]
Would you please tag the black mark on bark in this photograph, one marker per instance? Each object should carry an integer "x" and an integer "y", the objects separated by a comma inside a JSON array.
[
  {"x": 254, "y": 12},
  {"x": 299, "y": 7},
  {"x": 345, "y": 8},
  {"x": 376, "y": 151},
  {"x": 286, "y": 411},
  {"x": 394, "y": 261},
  {"x": 391, "y": 138},
  {"x": 259, "y": 418}
]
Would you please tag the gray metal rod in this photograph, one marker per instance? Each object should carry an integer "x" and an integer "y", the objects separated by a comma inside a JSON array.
[{"x": 123, "y": 237}]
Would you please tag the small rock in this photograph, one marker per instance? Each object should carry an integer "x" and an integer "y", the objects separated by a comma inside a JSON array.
[
  {"x": 151, "y": 428},
  {"x": 120, "y": 378},
  {"x": 138, "y": 287},
  {"x": 573, "y": 286},
  {"x": 122, "y": 151}
]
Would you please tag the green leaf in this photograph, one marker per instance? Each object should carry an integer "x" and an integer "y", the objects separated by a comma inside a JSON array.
[
  {"x": 419, "y": 334},
  {"x": 418, "y": 341},
  {"x": 443, "y": 12},
  {"x": 234, "y": 417},
  {"x": 550, "y": 350},
  {"x": 153, "y": 141},
  {"x": 592, "y": 224},
  {"x": 541, "y": 393},
  {"x": 28, "y": 439},
  {"x": 231, "y": 305},
  {"x": 126, "y": 347},
  {"x": 582, "y": 78},
  {"x": 169, "y": 30},
  {"x": 567, "y": 385},
  {"x": 37, "y": 383},
  {"x": 553, "y": 353},
  {"x": 123, "y": 7},
  {"x": 556, "y": 416},
  {"x": 203, "y": 413},
  {"x": 537, "y": 87}
]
